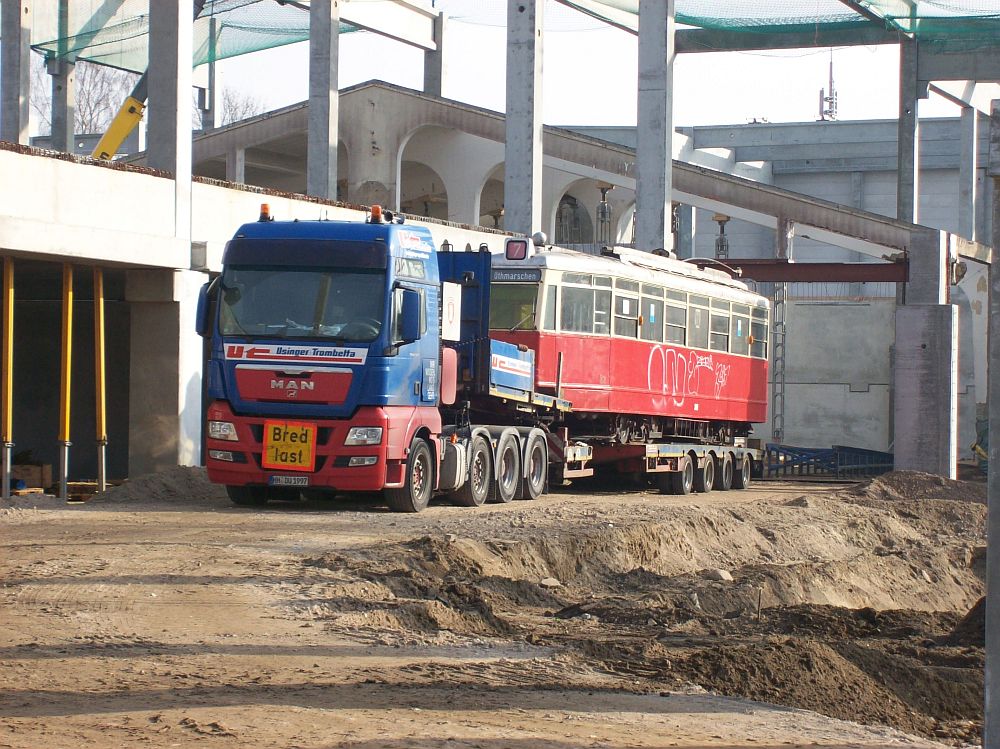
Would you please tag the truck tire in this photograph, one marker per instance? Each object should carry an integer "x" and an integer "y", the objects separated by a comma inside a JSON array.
[
  {"x": 704, "y": 477},
  {"x": 507, "y": 470},
  {"x": 476, "y": 488},
  {"x": 682, "y": 481},
  {"x": 536, "y": 469},
  {"x": 415, "y": 493},
  {"x": 247, "y": 496},
  {"x": 741, "y": 478},
  {"x": 724, "y": 473}
]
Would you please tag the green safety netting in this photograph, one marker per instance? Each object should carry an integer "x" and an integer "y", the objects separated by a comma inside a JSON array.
[{"x": 115, "y": 32}]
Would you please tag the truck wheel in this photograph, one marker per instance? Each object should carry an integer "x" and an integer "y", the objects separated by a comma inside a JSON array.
[
  {"x": 536, "y": 470},
  {"x": 682, "y": 481},
  {"x": 508, "y": 470},
  {"x": 704, "y": 477},
  {"x": 477, "y": 487},
  {"x": 416, "y": 491},
  {"x": 724, "y": 473},
  {"x": 247, "y": 496},
  {"x": 741, "y": 479}
]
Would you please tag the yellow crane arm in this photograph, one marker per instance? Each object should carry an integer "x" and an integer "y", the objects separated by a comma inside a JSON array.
[{"x": 121, "y": 126}]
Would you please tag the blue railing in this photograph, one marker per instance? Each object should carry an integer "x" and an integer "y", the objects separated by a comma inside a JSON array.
[{"x": 786, "y": 461}]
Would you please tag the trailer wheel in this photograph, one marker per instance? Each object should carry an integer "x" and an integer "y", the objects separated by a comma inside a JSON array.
[
  {"x": 536, "y": 470},
  {"x": 682, "y": 481},
  {"x": 741, "y": 479},
  {"x": 704, "y": 477},
  {"x": 724, "y": 473},
  {"x": 477, "y": 488},
  {"x": 508, "y": 470},
  {"x": 247, "y": 496},
  {"x": 416, "y": 491}
]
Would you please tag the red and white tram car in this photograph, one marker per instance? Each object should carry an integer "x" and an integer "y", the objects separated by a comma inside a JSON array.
[{"x": 647, "y": 348}]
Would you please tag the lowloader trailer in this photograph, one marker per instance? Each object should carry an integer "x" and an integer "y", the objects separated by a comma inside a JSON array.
[{"x": 359, "y": 357}]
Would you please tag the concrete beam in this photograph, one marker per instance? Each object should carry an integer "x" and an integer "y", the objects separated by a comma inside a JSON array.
[
  {"x": 977, "y": 65},
  {"x": 654, "y": 136},
  {"x": 712, "y": 40},
  {"x": 968, "y": 93},
  {"x": 324, "y": 98},
  {"x": 397, "y": 19},
  {"x": 523, "y": 151},
  {"x": 168, "y": 134},
  {"x": 993, "y": 160},
  {"x": 15, "y": 64}
]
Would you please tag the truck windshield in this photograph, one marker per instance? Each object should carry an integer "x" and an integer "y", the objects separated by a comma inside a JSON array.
[
  {"x": 512, "y": 306},
  {"x": 283, "y": 302}
]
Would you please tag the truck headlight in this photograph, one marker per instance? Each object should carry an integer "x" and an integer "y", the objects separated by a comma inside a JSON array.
[
  {"x": 364, "y": 436},
  {"x": 222, "y": 430}
]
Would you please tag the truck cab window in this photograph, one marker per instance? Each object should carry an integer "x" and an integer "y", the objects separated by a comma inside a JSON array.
[{"x": 288, "y": 302}]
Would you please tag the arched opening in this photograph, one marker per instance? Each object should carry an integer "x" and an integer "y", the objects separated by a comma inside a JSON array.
[{"x": 422, "y": 191}]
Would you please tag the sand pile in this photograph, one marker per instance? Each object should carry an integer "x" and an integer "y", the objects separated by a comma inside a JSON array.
[
  {"x": 909, "y": 485},
  {"x": 175, "y": 485}
]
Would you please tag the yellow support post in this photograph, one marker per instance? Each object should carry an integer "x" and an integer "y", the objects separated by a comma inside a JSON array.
[
  {"x": 99, "y": 380},
  {"x": 66, "y": 379},
  {"x": 7, "y": 386}
]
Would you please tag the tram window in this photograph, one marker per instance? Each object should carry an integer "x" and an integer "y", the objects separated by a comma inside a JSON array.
[
  {"x": 698, "y": 327},
  {"x": 651, "y": 327},
  {"x": 699, "y": 301},
  {"x": 739, "y": 334},
  {"x": 584, "y": 279},
  {"x": 654, "y": 291},
  {"x": 624, "y": 285},
  {"x": 602, "y": 281},
  {"x": 512, "y": 306},
  {"x": 760, "y": 313},
  {"x": 576, "y": 313},
  {"x": 720, "y": 305},
  {"x": 627, "y": 316},
  {"x": 741, "y": 309},
  {"x": 676, "y": 318},
  {"x": 758, "y": 329},
  {"x": 602, "y": 312},
  {"x": 677, "y": 296},
  {"x": 719, "y": 340},
  {"x": 549, "y": 317}
]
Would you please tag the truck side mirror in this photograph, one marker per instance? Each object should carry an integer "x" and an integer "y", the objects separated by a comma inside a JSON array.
[
  {"x": 202, "y": 324},
  {"x": 409, "y": 323}
]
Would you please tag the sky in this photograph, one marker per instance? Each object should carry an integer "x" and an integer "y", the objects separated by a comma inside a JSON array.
[{"x": 590, "y": 77}]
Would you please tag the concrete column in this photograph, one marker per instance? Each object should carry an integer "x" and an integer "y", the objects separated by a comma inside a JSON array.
[
  {"x": 168, "y": 134},
  {"x": 654, "y": 134},
  {"x": 991, "y": 728},
  {"x": 686, "y": 231},
  {"x": 63, "y": 74},
  {"x": 968, "y": 173},
  {"x": 324, "y": 98},
  {"x": 166, "y": 370},
  {"x": 435, "y": 72},
  {"x": 925, "y": 385},
  {"x": 236, "y": 165},
  {"x": 929, "y": 277},
  {"x": 908, "y": 169},
  {"x": 15, "y": 64},
  {"x": 523, "y": 175}
]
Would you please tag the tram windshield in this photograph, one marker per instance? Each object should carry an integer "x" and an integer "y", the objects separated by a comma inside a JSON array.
[{"x": 512, "y": 306}]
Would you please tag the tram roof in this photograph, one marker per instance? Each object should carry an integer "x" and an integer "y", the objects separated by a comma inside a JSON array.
[{"x": 639, "y": 266}]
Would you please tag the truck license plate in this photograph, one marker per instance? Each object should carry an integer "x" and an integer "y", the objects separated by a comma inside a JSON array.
[
  {"x": 289, "y": 446},
  {"x": 289, "y": 481}
]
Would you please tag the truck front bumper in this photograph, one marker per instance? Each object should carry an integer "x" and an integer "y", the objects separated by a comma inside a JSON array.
[{"x": 239, "y": 462}]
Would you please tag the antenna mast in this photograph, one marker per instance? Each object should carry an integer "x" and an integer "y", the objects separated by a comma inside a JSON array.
[{"x": 828, "y": 103}]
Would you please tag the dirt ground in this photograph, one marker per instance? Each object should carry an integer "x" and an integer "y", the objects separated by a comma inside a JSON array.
[{"x": 789, "y": 615}]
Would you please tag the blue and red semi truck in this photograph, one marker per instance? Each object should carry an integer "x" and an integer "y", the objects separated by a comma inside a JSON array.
[{"x": 359, "y": 357}]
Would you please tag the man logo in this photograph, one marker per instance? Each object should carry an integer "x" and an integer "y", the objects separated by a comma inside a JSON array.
[{"x": 292, "y": 387}]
